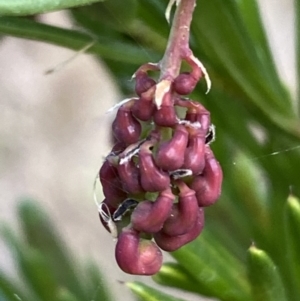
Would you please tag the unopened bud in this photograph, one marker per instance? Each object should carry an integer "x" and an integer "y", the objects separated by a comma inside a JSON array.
[
  {"x": 184, "y": 83},
  {"x": 137, "y": 256},
  {"x": 130, "y": 177},
  {"x": 152, "y": 177},
  {"x": 143, "y": 108},
  {"x": 172, "y": 243},
  {"x": 111, "y": 184},
  {"x": 165, "y": 115},
  {"x": 184, "y": 213},
  {"x": 208, "y": 185},
  {"x": 150, "y": 216},
  {"x": 194, "y": 158},
  {"x": 143, "y": 83},
  {"x": 196, "y": 112},
  {"x": 170, "y": 155},
  {"x": 126, "y": 127}
]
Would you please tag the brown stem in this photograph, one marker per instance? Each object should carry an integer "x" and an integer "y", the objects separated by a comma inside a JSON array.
[{"x": 178, "y": 43}]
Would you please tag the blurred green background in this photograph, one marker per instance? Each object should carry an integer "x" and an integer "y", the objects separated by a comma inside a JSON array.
[{"x": 256, "y": 114}]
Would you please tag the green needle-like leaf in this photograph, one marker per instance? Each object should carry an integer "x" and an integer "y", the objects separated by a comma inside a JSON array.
[
  {"x": 217, "y": 271},
  {"x": 297, "y": 16},
  {"x": 174, "y": 275},
  {"x": 39, "y": 232},
  {"x": 65, "y": 295},
  {"x": 34, "y": 266},
  {"x": 292, "y": 233},
  {"x": 9, "y": 291},
  {"x": 251, "y": 16},
  {"x": 96, "y": 283},
  {"x": 114, "y": 50},
  {"x": 147, "y": 293},
  {"x": 31, "y": 7},
  {"x": 264, "y": 277}
]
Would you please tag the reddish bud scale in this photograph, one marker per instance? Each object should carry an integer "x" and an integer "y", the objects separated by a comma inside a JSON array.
[
  {"x": 153, "y": 179},
  {"x": 170, "y": 155},
  {"x": 184, "y": 214},
  {"x": 137, "y": 256},
  {"x": 172, "y": 243},
  {"x": 150, "y": 216},
  {"x": 208, "y": 185},
  {"x": 126, "y": 127}
]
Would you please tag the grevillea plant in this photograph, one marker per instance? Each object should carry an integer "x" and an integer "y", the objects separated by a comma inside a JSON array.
[{"x": 161, "y": 172}]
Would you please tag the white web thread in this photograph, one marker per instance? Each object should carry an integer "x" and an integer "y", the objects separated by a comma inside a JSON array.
[
  {"x": 275, "y": 153},
  {"x": 63, "y": 64},
  {"x": 107, "y": 218}
]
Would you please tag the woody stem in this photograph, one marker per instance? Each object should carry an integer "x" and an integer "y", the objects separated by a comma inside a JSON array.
[{"x": 178, "y": 43}]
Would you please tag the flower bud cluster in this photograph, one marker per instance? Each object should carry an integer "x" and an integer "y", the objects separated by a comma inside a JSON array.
[{"x": 161, "y": 173}]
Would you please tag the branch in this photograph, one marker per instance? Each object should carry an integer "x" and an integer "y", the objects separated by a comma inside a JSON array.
[{"x": 178, "y": 43}]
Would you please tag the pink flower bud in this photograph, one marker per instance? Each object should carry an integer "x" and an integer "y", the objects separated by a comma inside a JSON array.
[
  {"x": 195, "y": 112},
  {"x": 111, "y": 184},
  {"x": 208, "y": 185},
  {"x": 143, "y": 108},
  {"x": 152, "y": 177},
  {"x": 150, "y": 216},
  {"x": 170, "y": 155},
  {"x": 203, "y": 118},
  {"x": 130, "y": 177},
  {"x": 166, "y": 114},
  {"x": 171, "y": 243},
  {"x": 194, "y": 153},
  {"x": 184, "y": 214},
  {"x": 126, "y": 127},
  {"x": 137, "y": 256},
  {"x": 184, "y": 83},
  {"x": 143, "y": 83}
]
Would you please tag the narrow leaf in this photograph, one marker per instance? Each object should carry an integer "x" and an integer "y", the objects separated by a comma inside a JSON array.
[
  {"x": 292, "y": 234},
  {"x": 174, "y": 275},
  {"x": 65, "y": 295},
  {"x": 97, "y": 286},
  {"x": 10, "y": 291},
  {"x": 29, "y": 7},
  {"x": 297, "y": 24},
  {"x": 41, "y": 234},
  {"x": 215, "y": 268},
  {"x": 264, "y": 277},
  {"x": 76, "y": 40},
  {"x": 147, "y": 293}
]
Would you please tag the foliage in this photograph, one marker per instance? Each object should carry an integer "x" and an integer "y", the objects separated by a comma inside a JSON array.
[
  {"x": 229, "y": 38},
  {"x": 47, "y": 269}
]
